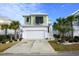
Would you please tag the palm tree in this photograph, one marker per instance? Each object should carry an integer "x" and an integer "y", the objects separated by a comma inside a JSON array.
[
  {"x": 14, "y": 25},
  {"x": 60, "y": 27},
  {"x": 70, "y": 20},
  {"x": 5, "y": 27}
]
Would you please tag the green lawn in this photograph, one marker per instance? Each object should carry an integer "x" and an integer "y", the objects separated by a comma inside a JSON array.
[
  {"x": 61, "y": 47},
  {"x": 6, "y": 46}
]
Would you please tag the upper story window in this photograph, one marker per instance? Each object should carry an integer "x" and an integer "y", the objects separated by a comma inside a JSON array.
[
  {"x": 76, "y": 22},
  {"x": 27, "y": 20},
  {"x": 39, "y": 20}
]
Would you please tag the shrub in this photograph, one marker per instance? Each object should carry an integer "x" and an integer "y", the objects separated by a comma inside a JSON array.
[
  {"x": 76, "y": 39},
  {"x": 56, "y": 36},
  {"x": 20, "y": 39},
  {"x": 10, "y": 41},
  {"x": 70, "y": 41},
  {"x": 15, "y": 40},
  {"x": 3, "y": 42},
  {"x": 4, "y": 38},
  {"x": 68, "y": 38},
  {"x": 8, "y": 37},
  {"x": 45, "y": 38},
  {"x": 60, "y": 41}
]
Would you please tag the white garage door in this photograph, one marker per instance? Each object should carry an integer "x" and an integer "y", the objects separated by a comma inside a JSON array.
[{"x": 33, "y": 34}]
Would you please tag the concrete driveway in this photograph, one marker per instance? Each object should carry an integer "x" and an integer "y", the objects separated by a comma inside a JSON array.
[{"x": 30, "y": 47}]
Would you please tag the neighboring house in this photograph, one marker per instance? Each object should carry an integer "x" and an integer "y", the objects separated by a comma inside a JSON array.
[
  {"x": 76, "y": 24},
  {"x": 4, "y": 21},
  {"x": 37, "y": 26}
]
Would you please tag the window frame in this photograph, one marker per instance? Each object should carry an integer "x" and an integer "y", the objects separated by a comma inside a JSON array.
[
  {"x": 27, "y": 20},
  {"x": 39, "y": 20}
]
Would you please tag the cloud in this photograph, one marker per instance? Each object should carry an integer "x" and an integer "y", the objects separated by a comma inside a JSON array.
[
  {"x": 62, "y": 6},
  {"x": 15, "y": 11},
  {"x": 30, "y": 8}
]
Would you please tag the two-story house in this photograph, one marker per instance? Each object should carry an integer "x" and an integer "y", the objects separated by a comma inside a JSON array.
[{"x": 37, "y": 26}]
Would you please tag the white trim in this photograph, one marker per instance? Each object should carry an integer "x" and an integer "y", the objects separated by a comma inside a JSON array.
[
  {"x": 36, "y": 14},
  {"x": 75, "y": 12}
]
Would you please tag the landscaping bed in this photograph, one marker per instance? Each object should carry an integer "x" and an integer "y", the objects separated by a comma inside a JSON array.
[
  {"x": 61, "y": 47},
  {"x": 6, "y": 46}
]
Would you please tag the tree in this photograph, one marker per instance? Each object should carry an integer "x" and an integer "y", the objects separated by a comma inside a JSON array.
[
  {"x": 59, "y": 26},
  {"x": 62, "y": 26},
  {"x": 70, "y": 20},
  {"x": 15, "y": 25},
  {"x": 5, "y": 27}
]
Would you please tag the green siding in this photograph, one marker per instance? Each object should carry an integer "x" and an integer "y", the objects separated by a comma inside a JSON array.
[
  {"x": 32, "y": 20},
  {"x": 45, "y": 20}
]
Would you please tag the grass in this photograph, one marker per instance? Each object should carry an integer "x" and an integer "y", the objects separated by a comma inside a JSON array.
[
  {"x": 61, "y": 47},
  {"x": 6, "y": 46}
]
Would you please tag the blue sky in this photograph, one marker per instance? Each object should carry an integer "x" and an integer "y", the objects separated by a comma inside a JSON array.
[{"x": 54, "y": 10}]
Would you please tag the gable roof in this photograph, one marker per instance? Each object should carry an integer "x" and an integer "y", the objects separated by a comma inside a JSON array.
[{"x": 75, "y": 12}]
